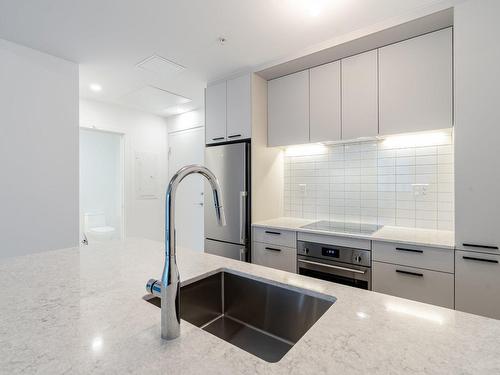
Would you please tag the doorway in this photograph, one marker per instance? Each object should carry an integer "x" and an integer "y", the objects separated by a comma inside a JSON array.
[
  {"x": 101, "y": 185},
  {"x": 188, "y": 147}
]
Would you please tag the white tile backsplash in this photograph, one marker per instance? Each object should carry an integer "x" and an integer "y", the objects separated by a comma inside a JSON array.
[{"x": 371, "y": 182}]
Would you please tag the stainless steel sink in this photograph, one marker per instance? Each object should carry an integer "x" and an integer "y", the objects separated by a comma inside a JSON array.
[{"x": 263, "y": 319}]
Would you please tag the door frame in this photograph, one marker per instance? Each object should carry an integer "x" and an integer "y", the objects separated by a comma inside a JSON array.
[{"x": 122, "y": 173}]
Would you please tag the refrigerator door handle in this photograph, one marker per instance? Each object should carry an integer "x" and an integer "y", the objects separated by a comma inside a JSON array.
[
  {"x": 243, "y": 215},
  {"x": 243, "y": 254}
]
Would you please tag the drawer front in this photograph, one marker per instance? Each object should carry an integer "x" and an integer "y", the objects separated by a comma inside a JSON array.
[
  {"x": 355, "y": 243},
  {"x": 414, "y": 283},
  {"x": 414, "y": 256},
  {"x": 477, "y": 283},
  {"x": 274, "y": 256},
  {"x": 275, "y": 236}
]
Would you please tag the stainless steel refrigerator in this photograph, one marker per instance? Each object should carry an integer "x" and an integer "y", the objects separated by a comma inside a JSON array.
[{"x": 231, "y": 164}]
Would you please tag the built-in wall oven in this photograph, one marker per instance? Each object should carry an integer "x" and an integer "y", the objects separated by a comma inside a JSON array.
[{"x": 343, "y": 265}]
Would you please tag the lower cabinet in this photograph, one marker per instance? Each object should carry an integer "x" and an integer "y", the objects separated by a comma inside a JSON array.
[
  {"x": 477, "y": 283},
  {"x": 413, "y": 283},
  {"x": 274, "y": 256}
]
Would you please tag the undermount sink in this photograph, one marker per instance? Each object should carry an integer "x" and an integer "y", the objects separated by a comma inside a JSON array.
[{"x": 263, "y": 319}]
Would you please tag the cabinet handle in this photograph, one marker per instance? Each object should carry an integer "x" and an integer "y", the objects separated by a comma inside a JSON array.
[
  {"x": 218, "y": 139},
  {"x": 234, "y": 136},
  {"x": 410, "y": 273},
  {"x": 409, "y": 250},
  {"x": 480, "y": 246},
  {"x": 272, "y": 248},
  {"x": 271, "y": 232},
  {"x": 480, "y": 259}
]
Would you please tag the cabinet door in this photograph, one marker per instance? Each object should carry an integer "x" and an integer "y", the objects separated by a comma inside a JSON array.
[
  {"x": 477, "y": 130},
  {"x": 325, "y": 121},
  {"x": 274, "y": 256},
  {"x": 215, "y": 113},
  {"x": 288, "y": 110},
  {"x": 415, "y": 84},
  {"x": 477, "y": 283},
  {"x": 239, "y": 111},
  {"x": 413, "y": 283},
  {"x": 359, "y": 96}
]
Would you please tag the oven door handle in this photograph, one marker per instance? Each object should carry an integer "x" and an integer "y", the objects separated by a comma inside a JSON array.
[{"x": 332, "y": 266}]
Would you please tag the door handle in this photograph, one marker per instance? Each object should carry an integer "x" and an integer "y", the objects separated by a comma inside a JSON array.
[
  {"x": 234, "y": 136},
  {"x": 243, "y": 216},
  {"x": 410, "y": 273},
  {"x": 409, "y": 250},
  {"x": 481, "y": 259},
  {"x": 480, "y": 246},
  {"x": 332, "y": 266},
  {"x": 243, "y": 253}
]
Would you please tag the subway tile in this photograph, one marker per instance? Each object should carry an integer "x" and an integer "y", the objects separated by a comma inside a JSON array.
[
  {"x": 445, "y": 168},
  {"x": 369, "y": 171},
  {"x": 426, "y": 169},
  {"x": 405, "y": 214},
  {"x": 369, "y": 155},
  {"x": 336, "y": 157},
  {"x": 405, "y": 152},
  {"x": 353, "y": 187},
  {"x": 369, "y": 195},
  {"x": 352, "y": 203},
  {"x": 386, "y": 212},
  {"x": 405, "y": 169},
  {"x": 386, "y": 162},
  {"x": 446, "y": 178},
  {"x": 386, "y": 170},
  {"x": 368, "y": 187},
  {"x": 426, "y": 215},
  {"x": 405, "y": 179},
  {"x": 445, "y": 225},
  {"x": 405, "y": 222},
  {"x": 352, "y": 179},
  {"x": 368, "y": 179},
  {"x": 386, "y": 179},
  {"x": 352, "y": 195},
  {"x": 445, "y": 159},
  {"x": 369, "y": 211},
  {"x": 445, "y": 149},
  {"x": 369, "y": 146},
  {"x": 386, "y": 220},
  {"x": 387, "y": 195},
  {"x": 405, "y": 161},
  {"x": 424, "y": 151},
  {"x": 405, "y": 205},
  {"x": 386, "y": 187},
  {"x": 368, "y": 163},
  {"x": 352, "y": 172},
  {"x": 386, "y": 203},
  {"x": 369, "y": 203},
  {"x": 445, "y": 206},
  {"x": 426, "y": 224},
  {"x": 352, "y": 147},
  {"x": 426, "y": 160},
  {"x": 426, "y": 178},
  {"x": 386, "y": 154},
  {"x": 426, "y": 205}
]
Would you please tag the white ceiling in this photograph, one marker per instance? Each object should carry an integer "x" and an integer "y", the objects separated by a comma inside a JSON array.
[{"x": 109, "y": 37}]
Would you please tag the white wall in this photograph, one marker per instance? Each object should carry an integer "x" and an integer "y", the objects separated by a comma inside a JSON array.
[
  {"x": 143, "y": 133},
  {"x": 38, "y": 151},
  {"x": 188, "y": 120}
]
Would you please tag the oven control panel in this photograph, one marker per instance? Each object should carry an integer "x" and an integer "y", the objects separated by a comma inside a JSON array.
[{"x": 334, "y": 253}]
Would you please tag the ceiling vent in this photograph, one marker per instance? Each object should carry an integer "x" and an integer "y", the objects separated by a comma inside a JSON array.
[
  {"x": 160, "y": 65},
  {"x": 152, "y": 99}
]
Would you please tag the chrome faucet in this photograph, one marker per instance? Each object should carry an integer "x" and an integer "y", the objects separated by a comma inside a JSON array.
[{"x": 170, "y": 288}]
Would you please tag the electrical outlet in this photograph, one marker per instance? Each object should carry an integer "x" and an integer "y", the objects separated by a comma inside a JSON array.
[
  {"x": 420, "y": 189},
  {"x": 302, "y": 190}
]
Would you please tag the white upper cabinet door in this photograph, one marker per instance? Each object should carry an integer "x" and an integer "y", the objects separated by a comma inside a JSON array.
[
  {"x": 325, "y": 120},
  {"x": 359, "y": 96},
  {"x": 239, "y": 108},
  {"x": 288, "y": 110},
  {"x": 215, "y": 113},
  {"x": 477, "y": 127},
  {"x": 415, "y": 84}
]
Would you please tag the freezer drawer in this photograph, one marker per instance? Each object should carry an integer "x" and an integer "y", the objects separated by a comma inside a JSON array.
[
  {"x": 227, "y": 250},
  {"x": 477, "y": 283}
]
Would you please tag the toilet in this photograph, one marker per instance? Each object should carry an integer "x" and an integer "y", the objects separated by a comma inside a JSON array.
[{"x": 96, "y": 228}]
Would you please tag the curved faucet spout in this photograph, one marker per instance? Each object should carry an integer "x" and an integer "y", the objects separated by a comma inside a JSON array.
[{"x": 170, "y": 306}]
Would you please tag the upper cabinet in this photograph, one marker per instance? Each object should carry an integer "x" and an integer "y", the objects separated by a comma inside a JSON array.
[
  {"x": 360, "y": 96},
  {"x": 325, "y": 117},
  {"x": 288, "y": 109},
  {"x": 228, "y": 110},
  {"x": 215, "y": 113},
  {"x": 403, "y": 87},
  {"x": 415, "y": 84},
  {"x": 239, "y": 111}
]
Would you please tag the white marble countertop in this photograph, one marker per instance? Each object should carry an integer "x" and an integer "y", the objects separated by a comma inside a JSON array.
[
  {"x": 80, "y": 311},
  {"x": 410, "y": 236}
]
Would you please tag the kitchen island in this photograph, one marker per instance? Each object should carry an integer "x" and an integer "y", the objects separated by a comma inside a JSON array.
[{"x": 80, "y": 311}]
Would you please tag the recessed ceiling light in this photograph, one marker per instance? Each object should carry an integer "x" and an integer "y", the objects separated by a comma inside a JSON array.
[{"x": 95, "y": 87}]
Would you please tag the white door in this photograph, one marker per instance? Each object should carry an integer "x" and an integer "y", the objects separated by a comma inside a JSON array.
[
  {"x": 239, "y": 108},
  {"x": 188, "y": 147}
]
